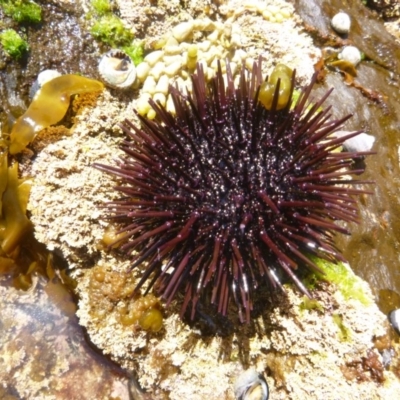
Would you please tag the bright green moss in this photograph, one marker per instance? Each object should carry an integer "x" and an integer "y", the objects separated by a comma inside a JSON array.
[
  {"x": 22, "y": 10},
  {"x": 13, "y": 44},
  {"x": 101, "y": 7},
  {"x": 110, "y": 30},
  {"x": 135, "y": 52},
  {"x": 350, "y": 285}
]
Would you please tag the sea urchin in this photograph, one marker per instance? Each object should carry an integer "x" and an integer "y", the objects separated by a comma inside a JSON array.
[{"x": 225, "y": 194}]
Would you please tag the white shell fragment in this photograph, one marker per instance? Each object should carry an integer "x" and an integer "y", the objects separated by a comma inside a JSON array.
[
  {"x": 117, "y": 69},
  {"x": 341, "y": 23},
  {"x": 361, "y": 142},
  {"x": 394, "y": 318},
  {"x": 250, "y": 385},
  {"x": 43, "y": 77},
  {"x": 47, "y": 75},
  {"x": 350, "y": 54}
]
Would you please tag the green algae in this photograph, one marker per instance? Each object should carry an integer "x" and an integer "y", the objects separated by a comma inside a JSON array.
[
  {"x": 340, "y": 274},
  {"x": 310, "y": 304},
  {"x": 22, "y": 11},
  {"x": 101, "y": 7},
  {"x": 344, "y": 332},
  {"x": 135, "y": 52},
  {"x": 110, "y": 30},
  {"x": 13, "y": 44}
]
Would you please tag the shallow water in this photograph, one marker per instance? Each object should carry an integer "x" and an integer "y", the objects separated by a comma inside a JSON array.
[
  {"x": 373, "y": 249},
  {"x": 45, "y": 352}
]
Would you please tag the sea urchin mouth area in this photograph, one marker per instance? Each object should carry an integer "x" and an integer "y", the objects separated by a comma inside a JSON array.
[{"x": 226, "y": 194}]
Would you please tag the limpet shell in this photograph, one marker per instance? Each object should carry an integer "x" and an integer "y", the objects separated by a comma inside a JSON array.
[{"x": 117, "y": 69}]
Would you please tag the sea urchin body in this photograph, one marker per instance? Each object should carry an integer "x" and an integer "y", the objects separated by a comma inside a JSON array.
[{"x": 226, "y": 194}]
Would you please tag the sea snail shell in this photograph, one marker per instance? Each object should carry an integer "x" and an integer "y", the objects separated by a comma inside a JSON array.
[
  {"x": 250, "y": 385},
  {"x": 117, "y": 69},
  {"x": 341, "y": 23}
]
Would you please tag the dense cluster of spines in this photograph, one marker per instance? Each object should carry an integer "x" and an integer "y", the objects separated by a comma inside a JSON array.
[{"x": 224, "y": 194}]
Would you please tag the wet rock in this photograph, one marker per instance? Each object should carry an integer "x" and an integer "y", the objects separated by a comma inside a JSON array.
[
  {"x": 368, "y": 33},
  {"x": 387, "y": 8},
  {"x": 43, "y": 352},
  {"x": 373, "y": 98},
  {"x": 61, "y": 41}
]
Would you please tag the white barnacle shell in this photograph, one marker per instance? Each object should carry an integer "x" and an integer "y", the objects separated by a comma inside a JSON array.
[
  {"x": 341, "y": 23},
  {"x": 361, "y": 142},
  {"x": 350, "y": 54},
  {"x": 250, "y": 385},
  {"x": 117, "y": 69}
]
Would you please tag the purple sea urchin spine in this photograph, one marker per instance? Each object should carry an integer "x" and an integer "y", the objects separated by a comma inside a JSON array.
[{"x": 224, "y": 193}]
